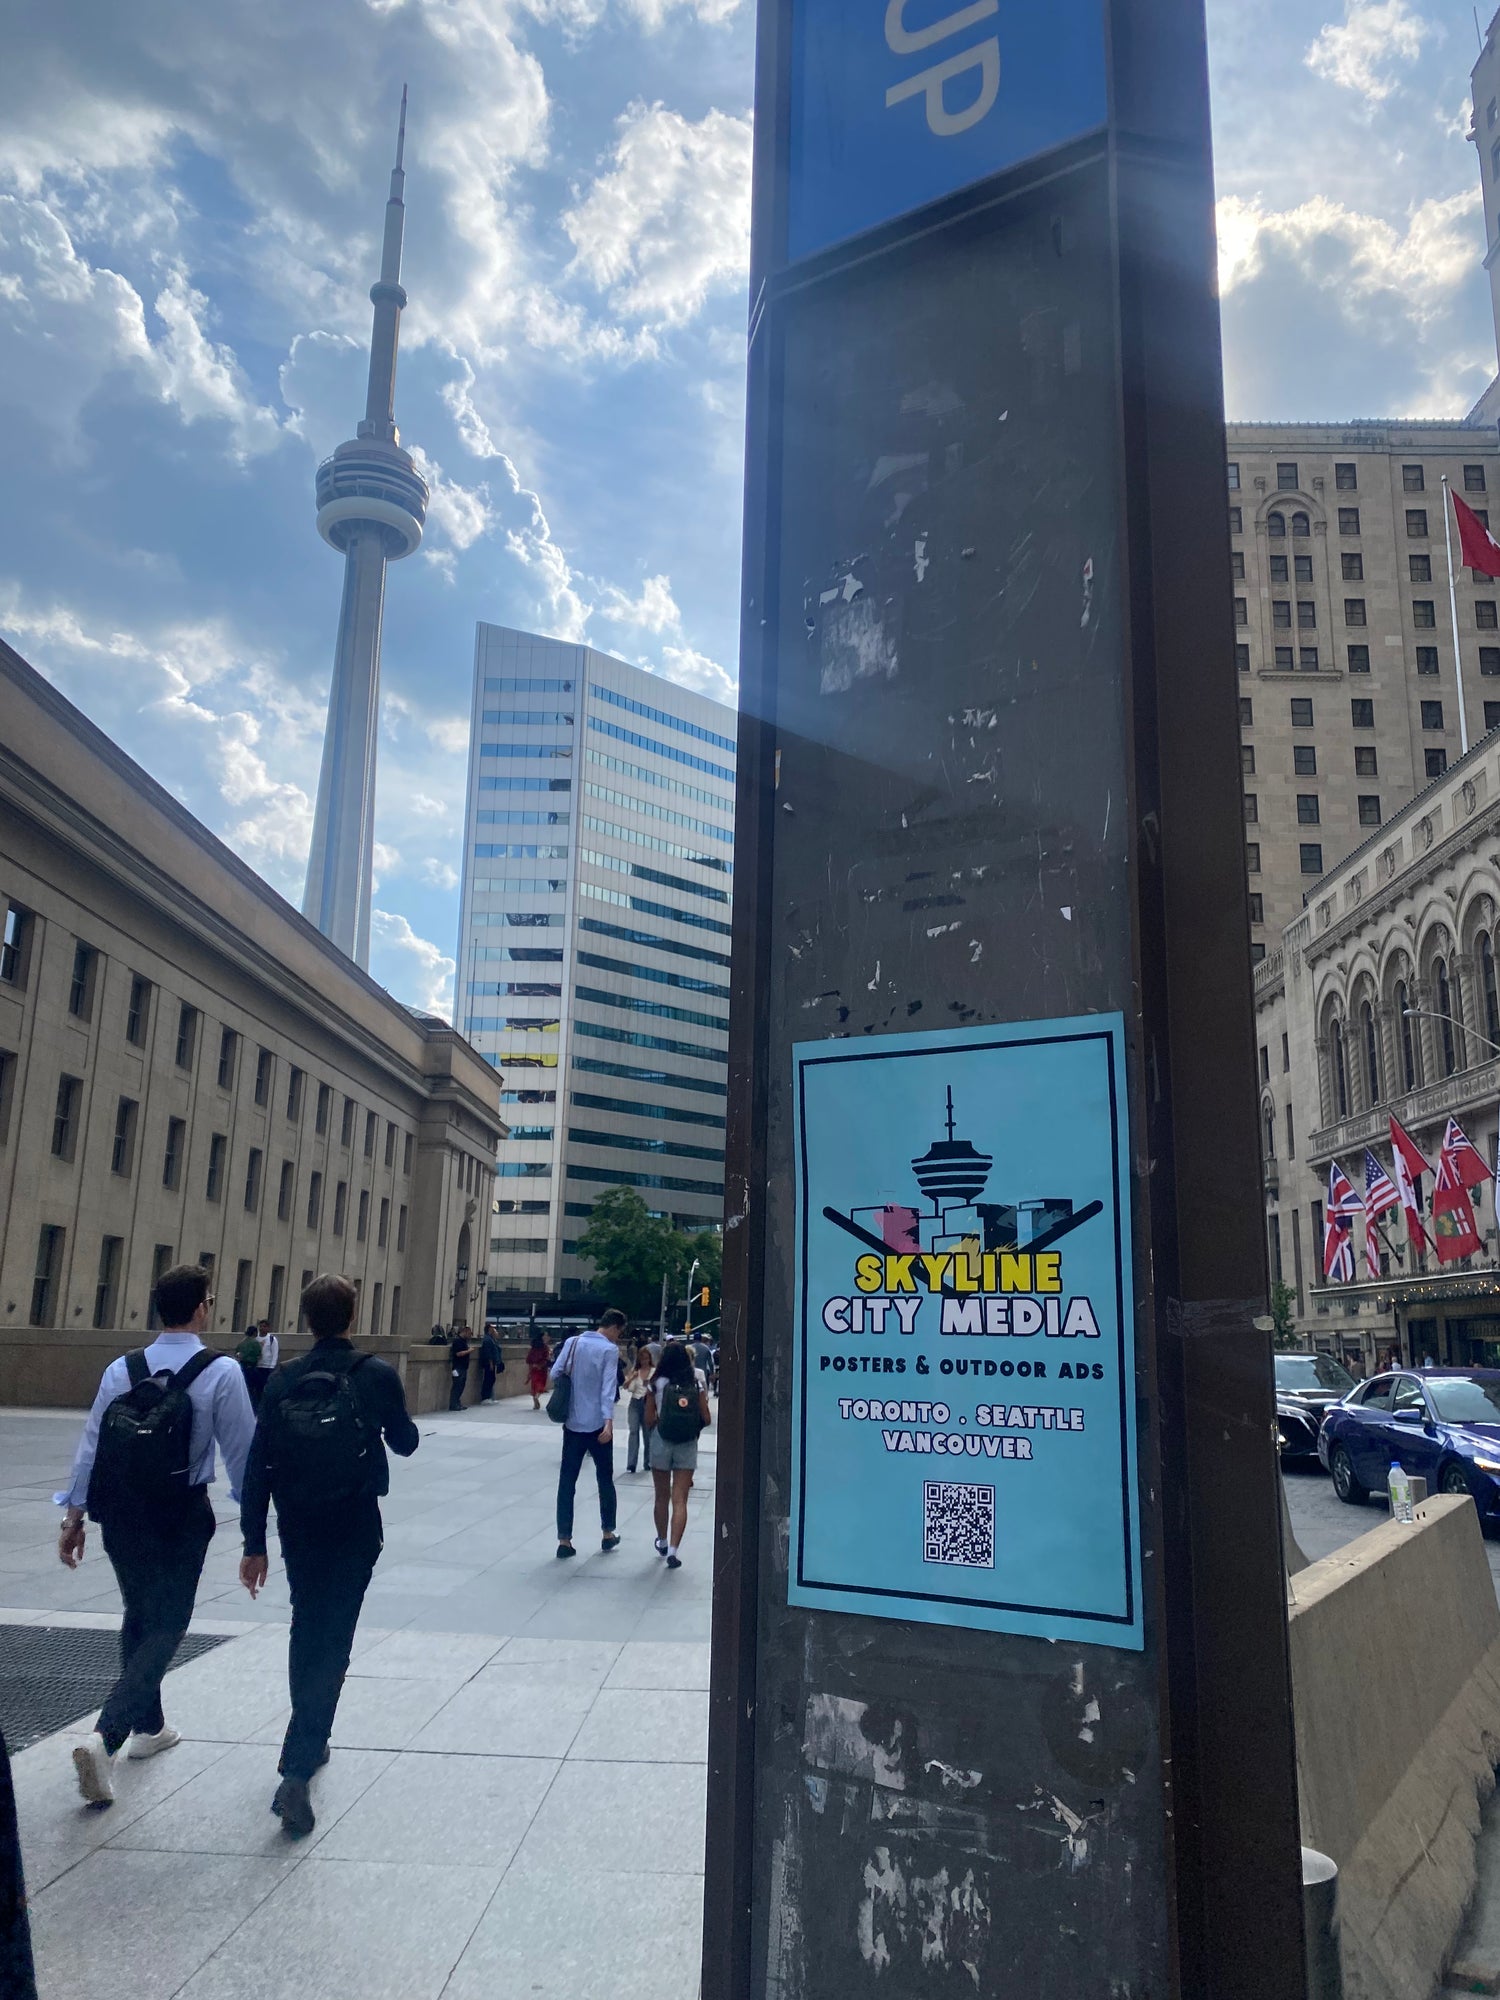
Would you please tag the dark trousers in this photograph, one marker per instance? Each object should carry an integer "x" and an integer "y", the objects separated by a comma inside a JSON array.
[
  {"x": 487, "y": 1373},
  {"x": 578, "y": 1445},
  {"x": 329, "y": 1564},
  {"x": 255, "y": 1381},
  {"x": 460, "y": 1382},
  {"x": 157, "y": 1566},
  {"x": 640, "y": 1436},
  {"x": 17, "y": 1972}
]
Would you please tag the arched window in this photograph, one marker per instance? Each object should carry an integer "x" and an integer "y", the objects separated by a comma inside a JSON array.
[
  {"x": 1340, "y": 1072},
  {"x": 1301, "y": 525},
  {"x": 1372, "y": 1053},
  {"x": 1276, "y": 527},
  {"x": 1408, "y": 1039},
  {"x": 1269, "y": 1119},
  {"x": 1491, "y": 999},
  {"x": 1443, "y": 994}
]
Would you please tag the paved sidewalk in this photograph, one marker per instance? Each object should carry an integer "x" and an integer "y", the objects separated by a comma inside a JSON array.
[{"x": 515, "y": 1800}]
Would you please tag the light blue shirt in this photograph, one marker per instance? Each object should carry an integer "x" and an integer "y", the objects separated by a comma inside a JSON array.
[
  {"x": 593, "y": 1361},
  {"x": 221, "y": 1411}
]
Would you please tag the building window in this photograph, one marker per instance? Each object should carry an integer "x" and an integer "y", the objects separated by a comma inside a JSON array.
[
  {"x": 65, "y": 1117},
  {"x": 1307, "y": 809},
  {"x": 1491, "y": 721},
  {"x": 1427, "y": 659},
  {"x": 1265, "y": 1077},
  {"x": 1372, "y": 1054},
  {"x": 241, "y": 1310},
  {"x": 1236, "y": 521},
  {"x": 284, "y": 1191},
  {"x": 81, "y": 985},
  {"x": 1280, "y": 573},
  {"x": 306, "y": 1280},
  {"x": 1257, "y": 957},
  {"x": 1432, "y": 715},
  {"x": 1442, "y": 993},
  {"x": 7, "y": 1090},
  {"x": 1307, "y": 659},
  {"x": 325, "y": 1108},
  {"x": 1340, "y": 1070},
  {"x": 1362, "y": 713},
  {"x": 1291, "y": 1138},
  {"x": 1247, "y": 760},
  {"x": 1302, "y": 711},
  {"x": 276, "y": 1304},
  {"x": 406, "y": 1153},
  {"x": 340, "y": 1207},
  {"x": 346, "y": 1130},
  {"x": 390, "y": 1144},
  {"x": 1302, "y": 569},
  {"x": 15, "y": 945},
  {"x": 1284, "y": 659},
  {"x": 1412, "y": 480},
  {"x": 362, "y": 1229},
  {"x": 1408, "y": 1039},
  {"x": 1252, "y": 807},
  {"x": 1365, "y": 761},
  {"x": 1242, "y": 658},
  {"x": 1241, "y": 612},
  {"x": 1281, "y": 613},
  {"x": 314, "y": 1205},
  {"x": 228, "y": 1042},
  {"x": 1435, "y": 762},
  {"x": 1346, "y": 478},
  {"x": 294, "y": 1093},
  {"x": 1257, "y": 908},
  {"x": 1484, "y": 614},
  {"x": 1286, "y": 477},
  {"x": 1354, "y": 611},
  {"x": 1423, "y": 613},
  {"x": 1473, "y": 479},
  {"x": 49, "y": 1251},
  {"x": 401, "y": 1227},
  {"x": 376, "y": 1297},
  {"x": 107, "y": 1285},
  {"x": 1247, "y": 712},
  {"x": 1305, "y": 760},
  {"x": 1348, "y": 520},
  {"x": 1234, "y": 477},
  {"x": 187, "y": 1035},
  {"x": 171, "y": 1165},
  {"x": 1416, "y": 523},
  {"x": 216, "y": 1150},
  {"x": 1487, "y": 985},
  {"x": 1420, "y": 568},
  {"x": 252, "y": 1179},
  {"x": 395, "y": 1312},
  {"x": 137, "y": 1013},
  {"x": 263, "y": 1076},
  {"x": 1300, "y": 525},
  {"x": 1369, "y": 809},
  {"x": 1352, "y": 568},
  {"x": 122, "y": 1151},
  {"x": 1276, "y": 527},
  {"x": 1252, "y": 857},
  {"x": 1359, "y": 659},
  {"x": 1489, "y": 660},
  {"x": 383, "y": 1228},
  {"x": 1237, "y": 565},
  {"x": 1310, "y": 857},
  {"x": 371, "y": 1121},
  {"x": 1307, "y": 613}
]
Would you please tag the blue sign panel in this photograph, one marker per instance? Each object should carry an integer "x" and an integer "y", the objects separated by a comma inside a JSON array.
[
  {"x": 964, "y": 1389},
  {"x": 892, "y": 107}
]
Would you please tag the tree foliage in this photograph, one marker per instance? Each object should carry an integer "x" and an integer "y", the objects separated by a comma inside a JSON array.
[
  {"x": 1283, "y": 1298},
  {"x": 628, "y": 1249}
]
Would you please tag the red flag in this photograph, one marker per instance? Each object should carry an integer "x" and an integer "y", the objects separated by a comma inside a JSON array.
[
  {"x": 1480, "y": 549},
  {"x": 1408, "y": 1163},
  {"x": 1467, "y": 1162},
  {"x": 1453, "y": 1230}
]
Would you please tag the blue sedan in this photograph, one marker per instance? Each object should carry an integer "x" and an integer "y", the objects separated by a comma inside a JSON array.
[{"x": 1441, "y": 1424}]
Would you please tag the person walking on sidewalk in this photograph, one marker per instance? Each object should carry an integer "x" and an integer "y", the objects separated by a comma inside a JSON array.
[
  {"x": 142, "y": 1470},
  {"x": 637, "y": 1383},
  {"x": 319, "y": 1453},
  {"x": 538, "y": 1364},
  {"x": 590, "y": 1361},
  {"x": 460, "y": 1354},
  {"x": 678, "y": 1413}
]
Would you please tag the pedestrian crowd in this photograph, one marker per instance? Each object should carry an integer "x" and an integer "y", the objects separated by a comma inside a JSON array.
[{"x": 310, "y": 1437}]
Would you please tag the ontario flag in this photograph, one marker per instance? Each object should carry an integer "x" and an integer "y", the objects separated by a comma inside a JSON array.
[
  {"x": 1407, "y": 1163},
  {"x": 1467, "y": 1162},
  {"x": 1338, "y": 1230},
  {"x": 1459, "y": 1169},
  {"x": 1480, "y": 549}
]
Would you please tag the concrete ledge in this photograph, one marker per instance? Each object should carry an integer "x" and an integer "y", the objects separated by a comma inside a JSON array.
[{"x": 1395, "y": 1647}]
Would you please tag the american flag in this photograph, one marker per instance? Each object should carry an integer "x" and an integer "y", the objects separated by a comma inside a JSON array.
[{"x": 1380, "y": 1189}]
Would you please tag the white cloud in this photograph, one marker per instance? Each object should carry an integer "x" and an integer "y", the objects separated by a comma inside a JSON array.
[
  {"x": 461, "y": 513},
  {"x": 668, "y": 222},
  {"x": 696, "y": 670},
  {"x": 449, "y": 733},
  {"x": 203, "y": 378},
  {"x": 1367, "y": 49},
  {"x": 655, "y": 610},
  {"x": 423, "y": 974},
  {"x": 1358, "y": 259},
  {"x": 442, "y": 874}
]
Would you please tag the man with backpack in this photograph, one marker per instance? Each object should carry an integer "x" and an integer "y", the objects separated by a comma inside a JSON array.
[
  {"x": 142, "y": 1470},
  {"x": 319, "y": 1453}
]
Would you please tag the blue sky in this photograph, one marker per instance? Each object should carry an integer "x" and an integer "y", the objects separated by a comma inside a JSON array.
[{"x": 190, "y": 200}]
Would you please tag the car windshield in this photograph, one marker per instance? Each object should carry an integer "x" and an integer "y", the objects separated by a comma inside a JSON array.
[
  {"x": 1302, "y": 1372},
  {"x": 1465, "y": 1399}
]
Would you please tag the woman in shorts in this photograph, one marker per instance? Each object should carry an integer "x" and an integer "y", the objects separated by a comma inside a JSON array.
[{"x": 676, "y": 1402}]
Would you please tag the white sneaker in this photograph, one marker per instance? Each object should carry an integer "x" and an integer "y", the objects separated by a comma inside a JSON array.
[
  {"x": 95, "y": 1768},
  {"x": 144, "y": 1745}
]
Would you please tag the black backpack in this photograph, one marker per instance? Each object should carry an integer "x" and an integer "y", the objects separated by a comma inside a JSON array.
[
  {"x": 143, "y": 1460},
  {"x": 320, "y": 1445},
  {"x": 679, "y": 1418}
]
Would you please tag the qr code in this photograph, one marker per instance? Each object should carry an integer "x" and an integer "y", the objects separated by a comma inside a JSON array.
[{"x": 958, "y": 1523}]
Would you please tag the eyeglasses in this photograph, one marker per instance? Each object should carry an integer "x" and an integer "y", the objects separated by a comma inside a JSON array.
[{"x": 209, "y": 1299}]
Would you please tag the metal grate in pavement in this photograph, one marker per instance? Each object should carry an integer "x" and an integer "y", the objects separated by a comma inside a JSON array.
[{"x": 50, "y": 1675}]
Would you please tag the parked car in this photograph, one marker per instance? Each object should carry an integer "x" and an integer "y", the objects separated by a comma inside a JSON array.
[
  {"x": 1306, "y": 1386},
  {"x": 1441, "y": 1424}
]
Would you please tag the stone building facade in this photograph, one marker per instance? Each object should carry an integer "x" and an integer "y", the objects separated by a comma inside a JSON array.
[
  {"x": 1382, "y": 998},
  {"x": 189, "y": 1071}
]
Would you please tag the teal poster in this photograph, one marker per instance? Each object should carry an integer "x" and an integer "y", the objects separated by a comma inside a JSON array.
[{"x": 964, "y": 1392}]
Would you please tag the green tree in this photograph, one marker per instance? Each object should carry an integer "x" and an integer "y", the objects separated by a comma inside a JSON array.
[
  {"x": 1283, "y": 1298},
  {"x": 628, "y": 1250}
]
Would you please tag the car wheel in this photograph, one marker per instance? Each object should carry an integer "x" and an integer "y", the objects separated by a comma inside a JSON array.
[
  {"x": 1454, "y": 1479},
  {"x": 1347, "y": 1487}
]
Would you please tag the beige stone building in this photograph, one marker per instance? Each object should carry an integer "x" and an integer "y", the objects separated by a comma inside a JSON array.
[
  {"x": 189, "y": 1071},
  {"x": 1349, "y": 698},
  {"x": 1382, "y": 998}
]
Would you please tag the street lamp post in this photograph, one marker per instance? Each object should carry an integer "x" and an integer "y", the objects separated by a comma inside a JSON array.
[
  {"x": 687, "y": 1331},
  {"x": 1427, "y": 1014}
]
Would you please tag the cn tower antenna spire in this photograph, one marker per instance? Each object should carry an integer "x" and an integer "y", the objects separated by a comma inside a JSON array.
[{"x": 401, "y": 131}]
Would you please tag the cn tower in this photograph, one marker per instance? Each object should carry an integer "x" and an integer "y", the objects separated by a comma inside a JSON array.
[{"x": 372, "y": 502}]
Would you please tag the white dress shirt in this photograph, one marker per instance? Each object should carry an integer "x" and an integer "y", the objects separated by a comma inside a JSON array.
[
  {"x": 221, "y": 1411},
  {"x": 270, "y": 1350}
]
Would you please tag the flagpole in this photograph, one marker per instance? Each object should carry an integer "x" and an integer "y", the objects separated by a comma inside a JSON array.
[{"x": 1458, "y": 663}]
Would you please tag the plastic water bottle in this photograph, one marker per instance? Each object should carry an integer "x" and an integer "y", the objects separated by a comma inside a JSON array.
[{"x": 1400, "y": 1491}]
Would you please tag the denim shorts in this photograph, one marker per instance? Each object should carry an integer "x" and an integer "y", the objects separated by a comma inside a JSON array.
[{"x": 669, "y": 1457}]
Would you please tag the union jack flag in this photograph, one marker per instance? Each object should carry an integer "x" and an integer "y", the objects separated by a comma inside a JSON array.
[
  {"x": 1338, "y": 1230},
  {"x": 1380, "y": 1189},
  {"x": 1342, "y": 1199}
]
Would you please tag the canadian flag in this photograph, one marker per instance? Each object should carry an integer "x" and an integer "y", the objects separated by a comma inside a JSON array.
[
  {"x": 1480, "y": 549},
  {"x": 1408, "y": 1163}
]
